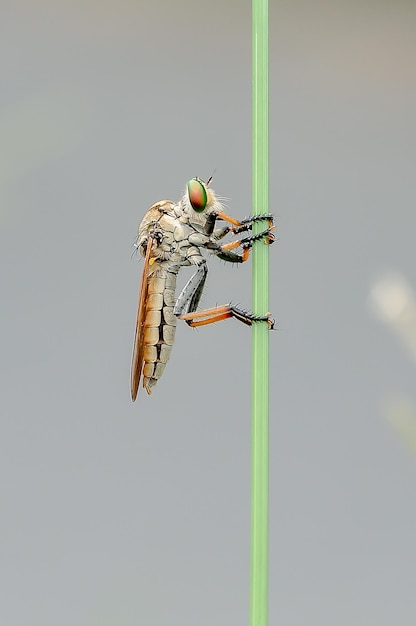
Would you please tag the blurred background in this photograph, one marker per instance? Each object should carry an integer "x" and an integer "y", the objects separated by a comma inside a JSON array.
[{"x": 121, "y": 513}]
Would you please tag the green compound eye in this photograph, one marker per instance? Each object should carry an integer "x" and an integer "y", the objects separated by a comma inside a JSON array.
[{"x": 197, "y": 194}]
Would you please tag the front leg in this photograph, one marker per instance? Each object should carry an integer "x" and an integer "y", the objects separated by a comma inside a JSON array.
[
  {"x": 247, "y": 222},
  {"x": 236, "y": 227},
  {"x": 224, "y": 252},
  {"x": 211, "y": 220}
]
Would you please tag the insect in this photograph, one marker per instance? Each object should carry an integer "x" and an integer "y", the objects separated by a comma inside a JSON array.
[{"x": 172, "y": 235}]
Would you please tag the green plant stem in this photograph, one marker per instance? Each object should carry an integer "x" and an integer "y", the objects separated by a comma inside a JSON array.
[{"x": 260, "y": 346}]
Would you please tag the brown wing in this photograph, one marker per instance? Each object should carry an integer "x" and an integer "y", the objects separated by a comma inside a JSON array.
[{"x": 138, "y": 348}]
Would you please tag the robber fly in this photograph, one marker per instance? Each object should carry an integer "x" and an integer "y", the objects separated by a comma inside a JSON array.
[{"x": 172, "y": 235}]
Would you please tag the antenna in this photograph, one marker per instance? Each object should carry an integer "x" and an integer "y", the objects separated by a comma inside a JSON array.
[{"x": 211, "y": 177}]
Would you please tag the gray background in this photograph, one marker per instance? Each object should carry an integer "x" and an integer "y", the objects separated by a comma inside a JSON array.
[{"x": 121, "y": 513}]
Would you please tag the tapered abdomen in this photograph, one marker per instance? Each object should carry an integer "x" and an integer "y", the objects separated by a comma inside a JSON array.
[{"x": 159, "y": 324}]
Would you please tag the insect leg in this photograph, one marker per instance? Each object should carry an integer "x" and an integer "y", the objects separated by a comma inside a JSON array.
[
  {"x": 212, "y": 218},
  {"x": 224, "y": 252},
  {"x": 247, "y": 223},
  {"x": 219, "y": 313},
  {"x": 190, "y": 295},
  {"x": 237, "y": 226}
]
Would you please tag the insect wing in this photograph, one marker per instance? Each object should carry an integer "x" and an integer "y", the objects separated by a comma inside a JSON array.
[{"x": 138, "y": 348}]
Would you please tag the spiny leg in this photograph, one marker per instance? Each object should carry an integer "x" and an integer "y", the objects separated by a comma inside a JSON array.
[
  {"x": 186, "y": 304},
  {"x": 247, "y": 223},
  {"x": 219, "y": 313},
  {"x": 224, "y": 252},
  {"x": 238, "y": 226}
]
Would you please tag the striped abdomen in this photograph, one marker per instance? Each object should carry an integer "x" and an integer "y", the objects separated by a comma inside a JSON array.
[{"x": 159, "y": 322}]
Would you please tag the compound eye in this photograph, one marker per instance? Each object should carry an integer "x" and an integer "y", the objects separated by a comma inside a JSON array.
[{"x": 197, "y": 193}]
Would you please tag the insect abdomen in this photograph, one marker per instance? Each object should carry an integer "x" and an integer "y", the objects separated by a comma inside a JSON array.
[{"x": 159, "y": 325}]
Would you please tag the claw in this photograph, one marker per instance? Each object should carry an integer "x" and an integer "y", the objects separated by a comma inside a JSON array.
[
  {"x": 270, "y": 237},
  {"x": 270, "y": 320}
]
